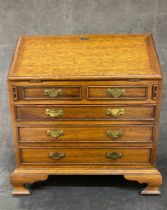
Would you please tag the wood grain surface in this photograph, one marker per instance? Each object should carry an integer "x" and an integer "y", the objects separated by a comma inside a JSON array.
[
  {"x": 87, "y": 133},
  {"x": 86, "y": 156},
  {"x": 98, "y": 56},
  {"x": 84, "y": 112}
]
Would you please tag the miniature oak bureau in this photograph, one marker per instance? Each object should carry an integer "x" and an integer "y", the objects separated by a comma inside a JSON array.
[{"x": 85, "y": 104}]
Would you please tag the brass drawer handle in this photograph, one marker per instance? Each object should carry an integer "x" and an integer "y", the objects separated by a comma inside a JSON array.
[
  {"x": 55, "y": 133},
  {"x": 114, "y": 133},
  {"x": 115, "y": 112},
  {"x": 115, "y": 92},
  {"x": 53, "y": 92},
  {"x": 54, "y": 112},
  {"x": 114, "y": 155},
  {"x": 56, "y": 155}
]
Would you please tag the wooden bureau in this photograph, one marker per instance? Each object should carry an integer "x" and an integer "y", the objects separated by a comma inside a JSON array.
[{"x": 85, "y": 104}]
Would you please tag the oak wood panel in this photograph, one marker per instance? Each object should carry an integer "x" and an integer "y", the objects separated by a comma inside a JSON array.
[
  {"x": 84, "y": 113},
  {"x": 14, "y": 129},
  {"x": 85, "y": 155},
  {"x": 37, "y": 93},
  {"x": 131, "y": 92},
  {"x": 156, "y": 132},
  {"x": 131, "y": 133},
  {"x": 97, "y": 56}
]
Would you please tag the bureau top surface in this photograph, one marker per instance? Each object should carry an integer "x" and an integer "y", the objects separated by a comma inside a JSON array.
[{"x": 79, "y": 57}]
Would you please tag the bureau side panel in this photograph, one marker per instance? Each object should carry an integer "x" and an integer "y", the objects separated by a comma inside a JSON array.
[
  {"x": 13, "y": 93},
  {"x": 157, "y": 122}
]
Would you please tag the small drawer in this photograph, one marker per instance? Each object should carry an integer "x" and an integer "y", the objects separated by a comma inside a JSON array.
[
  {"x": 85, "y": 155},
  {"x": 117, "y": 92},
  {"x": 49, "y": 92},
  {"x": 84, "y": 133},
  {"x": 81, "y": 112}
]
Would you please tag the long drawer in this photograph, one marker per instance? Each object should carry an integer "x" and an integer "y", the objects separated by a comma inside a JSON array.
[
  {"x": 86, "y": 133},
  {"x": 85, "y": 155},
  {"x": 84, "y": 112}
]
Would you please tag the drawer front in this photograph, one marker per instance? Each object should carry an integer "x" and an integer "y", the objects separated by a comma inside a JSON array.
[
  {"x": 95, "y": 92},
  {"x": 85, "y": 155},
  {"x": 49, "y": 92},
  {"x": 117, "y": 92},
  {"x": 26, "y": 112},
  {"x": 116, "y": 133}
]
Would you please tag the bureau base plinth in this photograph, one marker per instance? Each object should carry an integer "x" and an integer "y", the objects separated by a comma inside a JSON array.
[
  {"x": 153, "y": 182},
  {"x": 20, "y": 177}
]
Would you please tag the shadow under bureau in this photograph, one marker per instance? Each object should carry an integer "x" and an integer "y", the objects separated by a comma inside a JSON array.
[{"x": 85, "y": 105}]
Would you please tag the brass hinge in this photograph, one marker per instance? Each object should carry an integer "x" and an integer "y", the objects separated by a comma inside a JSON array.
[
  {"x": 155, "y": 92},
  {"x": 84, "y": 38},
  {"x": 35, "y": 80},
  {"x": 15, "y": 93}
]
